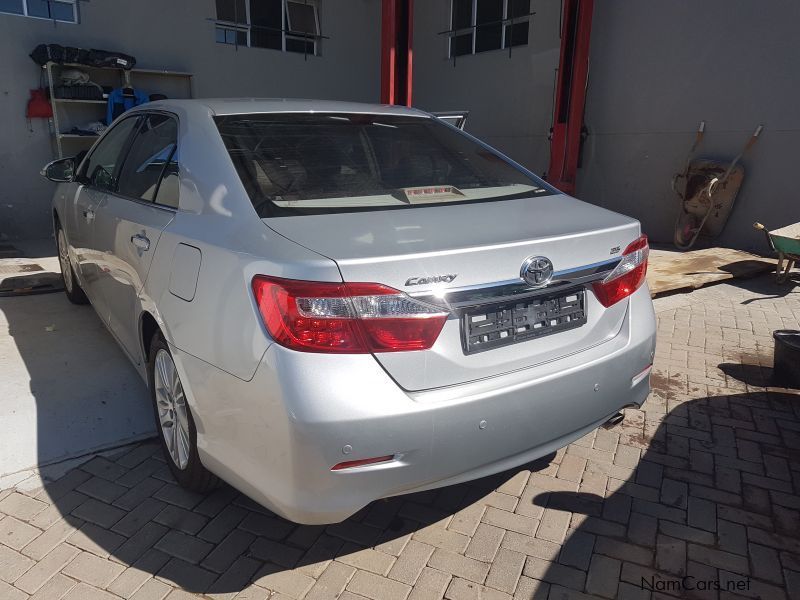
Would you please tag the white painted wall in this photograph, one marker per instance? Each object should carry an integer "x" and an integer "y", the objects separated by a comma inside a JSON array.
[
  {"x": 657, "y": 70},
  {"x": 510, "y": 98}
]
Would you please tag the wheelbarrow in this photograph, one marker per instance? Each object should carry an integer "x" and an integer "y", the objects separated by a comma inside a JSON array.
[
  {"x": 786, "y": 242},
  {"x": 707, "y": 189}
]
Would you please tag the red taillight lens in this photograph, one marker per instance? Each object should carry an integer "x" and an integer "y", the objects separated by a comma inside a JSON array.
[
  {"x": 356, "y": 318},
  {"x": 627, "y": 277}
]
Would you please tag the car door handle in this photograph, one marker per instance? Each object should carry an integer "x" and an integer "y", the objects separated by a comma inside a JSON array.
[
  {"x": 140, "y": 241},
  {"x": 88, "y": 215}
]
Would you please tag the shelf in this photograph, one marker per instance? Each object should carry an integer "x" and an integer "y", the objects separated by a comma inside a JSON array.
[
  {"x": 160, "y": 72},
  {"x": 67, "y": 111},
  {"x": 75, "y": 136},
  {"x": 80, "y": 101},
  {"x": 134, "y": 70}
]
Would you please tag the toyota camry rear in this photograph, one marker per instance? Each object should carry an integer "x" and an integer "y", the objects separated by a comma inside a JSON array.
[{"x": 384, "y": 304}]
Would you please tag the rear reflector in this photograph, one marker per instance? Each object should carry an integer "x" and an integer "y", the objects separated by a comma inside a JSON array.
[
  {"x": 639, "y": 377},
  {"x": 360, "y": 463},
  {"x": 356, "y": 318},
  {"x": 627, "y": 277}
]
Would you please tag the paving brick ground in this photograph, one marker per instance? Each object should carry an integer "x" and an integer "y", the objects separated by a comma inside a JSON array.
[{"x": 701, "y": 485}]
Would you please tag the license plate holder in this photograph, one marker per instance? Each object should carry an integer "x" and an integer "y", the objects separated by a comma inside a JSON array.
[{"x": 512, "y": 321}]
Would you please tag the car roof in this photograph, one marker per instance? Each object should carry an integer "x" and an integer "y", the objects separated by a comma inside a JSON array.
[{"x": 238, "y": 106}]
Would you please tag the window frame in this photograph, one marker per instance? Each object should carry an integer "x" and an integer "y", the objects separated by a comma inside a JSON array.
[
  {"x": 236, "y": 29},
  {"x": 75, "y": 20},
  {"x": 285, "y": 32},
  {"x": 82, "y": 176},
  {"x": 143, "y": 115},
  {"x": 288, "y": 21},
  {"x": 472, "y": 30}
]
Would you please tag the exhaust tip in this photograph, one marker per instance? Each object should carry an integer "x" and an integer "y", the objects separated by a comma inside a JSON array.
[{"x": 616, "y": 419}]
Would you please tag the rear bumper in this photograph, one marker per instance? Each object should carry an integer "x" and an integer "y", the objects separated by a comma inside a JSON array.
[{"x": 277, "y": 436}]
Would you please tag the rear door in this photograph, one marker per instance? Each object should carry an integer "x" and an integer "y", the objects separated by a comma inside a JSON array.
[
  {"x": 130, "y": 220},
  {"x": 96, "y": 179}
]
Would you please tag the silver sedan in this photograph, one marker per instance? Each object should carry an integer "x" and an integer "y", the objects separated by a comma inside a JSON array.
[{"x": 335, "y": 302}]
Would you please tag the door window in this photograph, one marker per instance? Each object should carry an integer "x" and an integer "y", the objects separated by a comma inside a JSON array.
[
  {"x": 150, "y": 171},
  {"x": 102, "y": 166}
]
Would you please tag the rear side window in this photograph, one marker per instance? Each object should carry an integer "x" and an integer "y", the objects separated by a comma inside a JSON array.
[
  {"x": 102, "y": 166},
  {"x": 150, "y": 171},
  {"x": 294, "y": 164}
]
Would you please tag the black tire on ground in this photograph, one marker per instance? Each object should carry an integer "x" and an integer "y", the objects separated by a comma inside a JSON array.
[
  {"x": 72, "y": 288},
  {"x": 194, "y": 476}
]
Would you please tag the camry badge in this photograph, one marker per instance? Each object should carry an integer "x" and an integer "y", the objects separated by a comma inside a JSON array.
[
  {"x": 431, "y": 279},
  {"x": 537, "y": 271}
]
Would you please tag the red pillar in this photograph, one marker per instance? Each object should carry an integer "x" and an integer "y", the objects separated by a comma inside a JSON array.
[
  {"x": 573, "y": 71},
  {"x": 396, "y": 51}
]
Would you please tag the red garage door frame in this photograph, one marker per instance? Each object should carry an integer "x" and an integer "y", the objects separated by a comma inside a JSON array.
[
  {"x": 573, "y": 73},
  {"x": 397, "y": 29}
]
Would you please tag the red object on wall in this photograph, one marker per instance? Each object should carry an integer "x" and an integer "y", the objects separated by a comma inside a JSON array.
[
  {"x": 38, "y": 106},
  {"x": 396, "y": 51},
  {"x": 573, "y": 72}
]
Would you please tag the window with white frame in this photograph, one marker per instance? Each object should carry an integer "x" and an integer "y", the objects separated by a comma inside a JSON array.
[
  {"x": 57, "y": 10},
  {"x": 483, "y": 25},
  {"x": 288, "y": 25}
]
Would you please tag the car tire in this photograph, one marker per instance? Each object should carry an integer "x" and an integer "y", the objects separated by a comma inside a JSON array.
[
  {"x": 72, "y": 288},
  {"x": 178, "y": 441}
]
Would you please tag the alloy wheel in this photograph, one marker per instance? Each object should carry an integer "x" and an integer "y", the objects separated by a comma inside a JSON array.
[
  {"x": 172, "y": 411},
  {"x": 63, "y": 260}
]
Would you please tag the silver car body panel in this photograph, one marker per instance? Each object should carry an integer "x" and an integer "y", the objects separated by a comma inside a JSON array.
[
  {"x": 389, "y": 247},
  {"x": 277, "y": 442},
  {"x": 273, "y": 421}
]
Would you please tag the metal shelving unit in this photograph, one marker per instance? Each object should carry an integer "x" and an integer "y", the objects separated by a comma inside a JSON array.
[{"x": 72, "y": 112}]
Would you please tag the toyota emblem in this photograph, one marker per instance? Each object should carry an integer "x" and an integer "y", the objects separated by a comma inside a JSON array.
[{"x": 537, "y": 271}]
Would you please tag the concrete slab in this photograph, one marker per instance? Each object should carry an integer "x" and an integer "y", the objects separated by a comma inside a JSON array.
[
  {"x": 672, "y": 271},
  {"x": 66, "y": 389}
]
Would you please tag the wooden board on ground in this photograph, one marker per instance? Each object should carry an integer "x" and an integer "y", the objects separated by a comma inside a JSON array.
[
  {"x": 671, "y": 271},
  {"x": 29, "y": 276}
]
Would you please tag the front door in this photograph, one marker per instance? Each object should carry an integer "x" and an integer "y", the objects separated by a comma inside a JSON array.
[
  {"x": 95, "y": 181},
  {"x": 129, "y": 223}
]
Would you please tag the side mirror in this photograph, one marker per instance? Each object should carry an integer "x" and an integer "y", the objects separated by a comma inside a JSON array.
[{"x": 60, "y": 171}]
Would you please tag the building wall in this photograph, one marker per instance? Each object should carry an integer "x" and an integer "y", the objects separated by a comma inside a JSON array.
[
  {"x": 510, "y": 98},
  {"x": 657, "y": 70},
  {"x": 176, "y": 35}
]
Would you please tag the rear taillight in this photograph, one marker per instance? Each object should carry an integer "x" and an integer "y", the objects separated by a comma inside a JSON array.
[
  {"x": 627, "y": 277},
  {"x": 356, "y": 318}
]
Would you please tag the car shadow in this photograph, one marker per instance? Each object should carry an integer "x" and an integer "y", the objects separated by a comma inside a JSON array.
[
  {"x": 66, "y": 388},
  {"x": 626, "y": 510}
]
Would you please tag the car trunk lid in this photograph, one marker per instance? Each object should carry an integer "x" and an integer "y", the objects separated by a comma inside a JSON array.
[{"x": 469, "y": 256}]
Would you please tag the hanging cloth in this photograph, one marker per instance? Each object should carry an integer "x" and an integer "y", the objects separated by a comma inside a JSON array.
[{"x": 119, "y": 101}]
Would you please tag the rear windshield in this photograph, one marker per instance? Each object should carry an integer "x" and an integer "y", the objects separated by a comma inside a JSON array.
[{"x": 294, "y": 164}]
